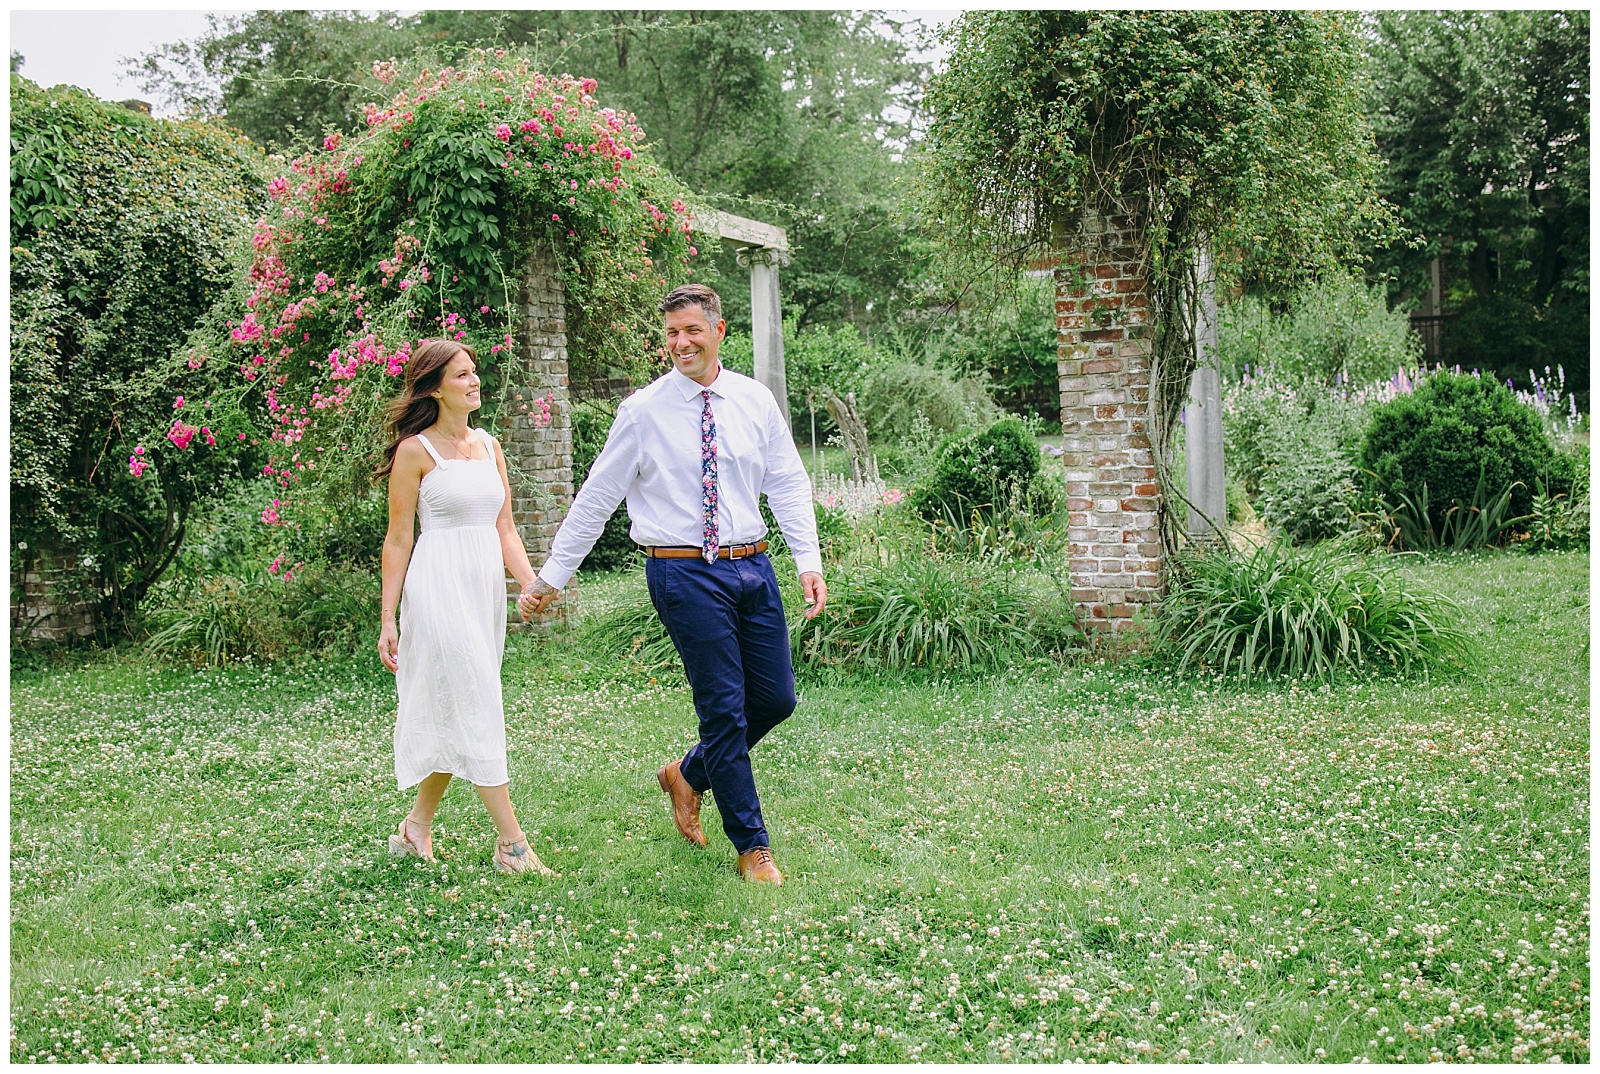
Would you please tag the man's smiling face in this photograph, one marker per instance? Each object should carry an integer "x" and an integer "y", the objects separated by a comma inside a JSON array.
[{"x": 692, "y": 343}]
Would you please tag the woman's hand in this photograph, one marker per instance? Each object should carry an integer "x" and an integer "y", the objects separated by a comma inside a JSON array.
[
  {"x": 535, "y": 596},
  {"x": 389, "y": 646}
]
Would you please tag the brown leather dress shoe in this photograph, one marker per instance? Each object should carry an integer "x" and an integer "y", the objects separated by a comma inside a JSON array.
[
  {"x": 685, "y": 802},
  {"x": 757, "y": 865}
]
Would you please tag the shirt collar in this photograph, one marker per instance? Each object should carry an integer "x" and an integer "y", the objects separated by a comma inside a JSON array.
[{"x": 689, "y": 388}]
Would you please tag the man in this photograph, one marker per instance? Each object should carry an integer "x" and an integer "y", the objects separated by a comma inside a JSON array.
[{"x": 692, "y": 453}]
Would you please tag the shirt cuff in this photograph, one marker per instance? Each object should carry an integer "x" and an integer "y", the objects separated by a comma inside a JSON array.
[
  {"x": 808, "y": 562},
  {"x": 556, "y": 576}
]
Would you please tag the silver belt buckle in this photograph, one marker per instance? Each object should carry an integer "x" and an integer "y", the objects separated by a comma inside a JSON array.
[{"x": 733, "y": 551}]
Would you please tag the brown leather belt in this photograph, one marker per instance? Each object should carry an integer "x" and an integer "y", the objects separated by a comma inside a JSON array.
[{"x": 737, "y": 551}]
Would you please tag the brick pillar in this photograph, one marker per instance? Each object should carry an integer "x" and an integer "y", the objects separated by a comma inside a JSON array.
[
  {"x": 539, "y": 460},
  {"x": 1104, "y": 347}
]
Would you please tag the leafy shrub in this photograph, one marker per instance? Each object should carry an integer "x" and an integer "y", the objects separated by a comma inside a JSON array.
[
  {"x": 1336, "y": 329},
  {"x": 1029, "y": 528},
  {"x": 1450, "y": 433},
  {"x": 127, "y": 235},
  {"x": 980, "y": 471},
  {"x": 1309, "y": 491},
  {"x": 1009, "y": 340},
  {"x": 1558, "y": 520},
  {"x": 897, "y": 396},
  {"x": 931, "y": 614},
  {"x": 834, "y": 357},
  {"x": 1303, "y": 612},
  {"x": 1310, "y": 433},
  {"x": 221, "y": 618},
  {"x": 591, "y": 424}
]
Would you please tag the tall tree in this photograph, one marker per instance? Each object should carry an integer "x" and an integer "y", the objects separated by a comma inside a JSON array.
[
  {"x": 1484, "y": 119},
  {"x": 1237, "y": 132},
  {"x": 796, "y": 117},
  {"x": 282, "y": 77}
]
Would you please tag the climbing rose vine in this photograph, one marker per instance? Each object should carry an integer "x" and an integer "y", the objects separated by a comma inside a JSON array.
[{"x": 421, "y": 227}]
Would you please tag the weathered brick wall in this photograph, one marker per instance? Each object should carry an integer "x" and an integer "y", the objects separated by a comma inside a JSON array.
[
  {"x": 1104, "y": 349},
  {"x": 539, "y": 459},
  {"x": 42, "y": 604}
]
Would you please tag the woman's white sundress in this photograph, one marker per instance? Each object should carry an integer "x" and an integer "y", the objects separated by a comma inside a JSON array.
[{"x": 453, "y": 628}]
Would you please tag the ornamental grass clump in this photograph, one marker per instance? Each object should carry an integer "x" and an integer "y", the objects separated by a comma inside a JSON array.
[
  {"x": 1308, "y": 612},
  {"x": 919, "y": 613}
]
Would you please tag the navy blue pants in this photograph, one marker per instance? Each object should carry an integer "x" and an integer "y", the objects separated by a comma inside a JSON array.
[{"x": 726, "y": 621}]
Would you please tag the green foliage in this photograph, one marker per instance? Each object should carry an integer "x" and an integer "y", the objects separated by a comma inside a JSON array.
[
  {"x": 631, "y": 632},
  {"x": 1334, "y": 330},
  {"x": 1558, "y": 520},
  {"x": 1483, "y": 120},
  {"x": 790, "y": 116},
  {"x": 1478, "y": 523},
  {"x": 126, "y": 235},
  {"x": 1293, "y": 450},
  {"x": 309, "y": 610},
  {"x": 932, "y": 614},
  {"x": 421, "y": 226},
  {"x": 1241, "y": 126},
  {"x": 1454, "y": 433},
  {"x": 820, "y": 356},
  {"x": 1309, "y": 612},
  {"x": 979, "y": 472},
  {"x": 591, "y": 424},
  {"x": 1308, "y": 493},
  {"x": 282, "y": 77},
  {"x": 1010, "y": 342},
  {"x": 901, "y": 400}
]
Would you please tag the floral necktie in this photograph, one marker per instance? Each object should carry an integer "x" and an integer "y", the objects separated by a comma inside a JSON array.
[{"x": 708, "y": 479}]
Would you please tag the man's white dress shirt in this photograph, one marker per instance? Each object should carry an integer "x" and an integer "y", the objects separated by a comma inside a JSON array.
[{"x": 652, "y": 459}]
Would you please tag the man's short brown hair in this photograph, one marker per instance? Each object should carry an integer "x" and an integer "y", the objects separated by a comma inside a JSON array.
[{"x": 694, "y": 294}]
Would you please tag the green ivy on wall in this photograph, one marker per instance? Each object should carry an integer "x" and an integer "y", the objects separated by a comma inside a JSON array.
[{"x": 125, "y": 237}]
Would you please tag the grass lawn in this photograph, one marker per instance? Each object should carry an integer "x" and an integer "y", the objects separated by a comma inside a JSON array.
[{"x": 1056, "y": 863}]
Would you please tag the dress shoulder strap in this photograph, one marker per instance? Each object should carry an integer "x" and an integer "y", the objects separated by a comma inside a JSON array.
[
  {"x": 488, "y": 440},
  {"x": 436, "y": 456}
]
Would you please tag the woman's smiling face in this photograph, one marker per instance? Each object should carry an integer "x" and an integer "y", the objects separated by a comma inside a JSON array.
[{"x": 460, "y": 388}]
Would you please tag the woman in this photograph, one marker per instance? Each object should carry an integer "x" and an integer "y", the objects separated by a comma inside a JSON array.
[{"x": 447, "y": 662}]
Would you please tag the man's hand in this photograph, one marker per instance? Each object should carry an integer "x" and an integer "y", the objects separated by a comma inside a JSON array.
[
  {"x": 535, "y": 597},
  {"x": 816, "y": 592}
]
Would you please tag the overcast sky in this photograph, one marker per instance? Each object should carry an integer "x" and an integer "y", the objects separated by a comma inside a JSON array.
[{"x": 86, "y": 48}]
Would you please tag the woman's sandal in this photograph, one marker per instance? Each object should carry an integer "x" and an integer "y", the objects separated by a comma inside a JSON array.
[
  {"x": 516, "y": 856},
  {"x": 401, "y": 845}
]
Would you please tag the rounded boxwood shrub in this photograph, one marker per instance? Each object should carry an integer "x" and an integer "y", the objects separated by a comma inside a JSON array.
[
  {"x": 1446, "y": 433},
  {"x": 979, "y": 471}
]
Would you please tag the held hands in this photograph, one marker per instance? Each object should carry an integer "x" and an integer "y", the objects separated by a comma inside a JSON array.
[
  {"x": 389, "y": 646},
  {"x": 816, "y": 593},
  {"x": 535, "y": 597}
]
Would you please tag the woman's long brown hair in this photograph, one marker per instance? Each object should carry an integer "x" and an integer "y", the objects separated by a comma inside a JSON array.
[{"x": 416, "y": 409}]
